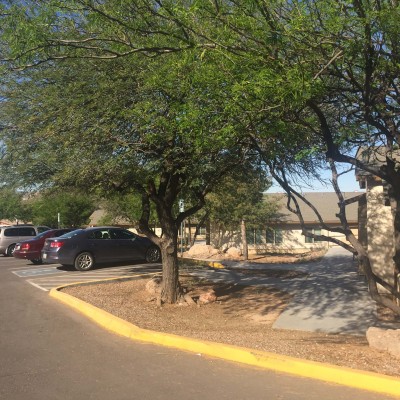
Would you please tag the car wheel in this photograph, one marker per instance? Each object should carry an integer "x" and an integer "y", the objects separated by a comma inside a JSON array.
[
  {"x": 37, "y": 261},
  {"x": 10, "y": 250},
  {"x": 153, "y": 254},
  {"x": 84, "y": 262}
]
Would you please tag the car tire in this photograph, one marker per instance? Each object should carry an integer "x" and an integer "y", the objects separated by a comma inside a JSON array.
[
  {"x": 37, "y": 261},
  {"x": 10, "y": 250},
  {"x": 153, "y": 254},
  {"x": 84, "y": 261}
]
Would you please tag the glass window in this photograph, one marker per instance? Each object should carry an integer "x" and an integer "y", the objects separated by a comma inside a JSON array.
[
  {"x": 27, "y": 231},
  {"x": 99, "y": 234},
  {"x": 278, "y": 236},
  {"x": 259, "y": 236},
  {"x": 274, "y": 236},
  {"x": 250, "y": 236},
  {"x": 72, "y": 233},
  {"x": 122, "y": 234},
  {"x": 311, "y": 239},
  {"x": 11, "y": 232}
]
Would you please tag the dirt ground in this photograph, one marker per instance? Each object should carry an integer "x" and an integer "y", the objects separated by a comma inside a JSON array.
[{"x": 241, "y": 316}]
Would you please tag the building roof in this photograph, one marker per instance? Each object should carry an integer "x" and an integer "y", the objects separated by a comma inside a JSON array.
[{"x": 325, "y": 202}]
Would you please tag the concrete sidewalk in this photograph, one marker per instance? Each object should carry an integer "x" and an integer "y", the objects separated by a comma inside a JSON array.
[{"x": 332, "y": 298}]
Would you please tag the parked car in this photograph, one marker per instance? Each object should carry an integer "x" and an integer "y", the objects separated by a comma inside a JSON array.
[
  {"x": 11, "y": 235},
  {"x": 32, "y": 249},
  {"x": 84, "y": 248}
]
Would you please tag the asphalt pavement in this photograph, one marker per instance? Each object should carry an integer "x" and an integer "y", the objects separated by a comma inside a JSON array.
[{"x": 48, "y": 351}]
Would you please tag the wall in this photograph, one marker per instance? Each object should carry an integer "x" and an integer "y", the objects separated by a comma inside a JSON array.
[
  {"x": 293, "y": 241},
  {"x": 379, "y": 232}
]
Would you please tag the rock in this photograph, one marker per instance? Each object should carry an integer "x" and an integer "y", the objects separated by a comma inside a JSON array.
[
  {"x": 207, "y": 297},
  {"x": 154, "y": 286},
  {"x": 189, "y": 299},
  {"x": 385, "y": 339},
  {"x": 199, "y": 250},
  {"x": 234, "y": 252}
]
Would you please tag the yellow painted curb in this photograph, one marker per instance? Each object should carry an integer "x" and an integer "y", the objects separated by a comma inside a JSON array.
[
  {"x": 212, "y": 264},
  {"x": 309, "y": 369},
  {"x": 215, "y": 264}
]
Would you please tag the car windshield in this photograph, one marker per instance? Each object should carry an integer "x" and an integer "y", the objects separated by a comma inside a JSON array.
[{"x": 72, "y": 233}]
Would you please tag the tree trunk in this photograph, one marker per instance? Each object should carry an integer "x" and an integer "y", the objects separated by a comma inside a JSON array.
[
  {"x": 169, "y": 253},
  {"x": 190, "y": 233},
  {"x": 198, "y": 226},
  {"x": 208, "y": 232},
  {"x": 396, "y": 229},
  {"x": 170, "y": 271},
  {"x": 245, "y": 247}
]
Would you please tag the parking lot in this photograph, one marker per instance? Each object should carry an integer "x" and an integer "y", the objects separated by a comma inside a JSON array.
[{"x": 47, "y": 276}]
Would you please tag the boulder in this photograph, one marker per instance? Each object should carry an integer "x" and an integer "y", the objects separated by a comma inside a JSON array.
[
  {"x": 385, "y": 340},
  {"x": 234, "y": 252},
  {"x": 207, "y": 297},
  {"x": 154, "y": 286},
  {"x": 201, "y": 250}
]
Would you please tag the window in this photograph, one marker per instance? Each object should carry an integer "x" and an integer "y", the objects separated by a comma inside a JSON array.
[
  {"x": 315, "y": 232},
  {"x": 121, "y": 234},
  {"x": 254, "y": 236},
  {"x": 11, "y": 232},
  {"x": 27, "y": 232},
  {"x": 14, "y": 232},
  {"x": 202, "y": 230},
  {"x": 274, "y": 236}
]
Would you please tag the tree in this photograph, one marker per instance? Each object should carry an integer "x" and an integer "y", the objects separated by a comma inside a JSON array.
[
  {"x": 239, "y": 200},
  {"x": 62, "y": 210},
  {"x": 320, "y": 79},
  {"x": 142, "y": 124},
  {"x": 304, "y": 83},
  {"x": 13, "y": 207}
]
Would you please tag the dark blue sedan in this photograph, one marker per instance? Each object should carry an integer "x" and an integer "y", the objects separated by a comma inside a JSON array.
[{"x": 84, "y": 248}]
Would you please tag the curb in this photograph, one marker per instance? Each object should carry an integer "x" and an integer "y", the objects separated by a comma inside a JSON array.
[
  {"x": 353, "y": 378},
  {"x": 212, "y": 264}
]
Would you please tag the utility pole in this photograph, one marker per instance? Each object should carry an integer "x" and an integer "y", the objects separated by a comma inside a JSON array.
[{"x": 181, "y": 210}]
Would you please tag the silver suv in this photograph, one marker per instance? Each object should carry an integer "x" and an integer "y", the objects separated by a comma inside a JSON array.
[{"x": 10, "y": 235}]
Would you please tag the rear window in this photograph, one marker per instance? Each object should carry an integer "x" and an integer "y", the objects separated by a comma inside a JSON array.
[{"x": 72, "y": 234}]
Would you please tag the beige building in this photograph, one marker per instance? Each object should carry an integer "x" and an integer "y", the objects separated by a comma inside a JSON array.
[{"x": 284, "y": 233}]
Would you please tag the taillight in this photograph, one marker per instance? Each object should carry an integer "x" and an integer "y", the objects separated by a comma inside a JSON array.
[
  {"x": 25, "y": 246},
  {"x": 56, "y": 244}
]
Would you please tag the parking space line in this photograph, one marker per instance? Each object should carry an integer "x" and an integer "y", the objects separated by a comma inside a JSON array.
[
  {"x": 39, "y": 287},
  {"x": 48, "y": 276},
  {"x": 35, "y": 272}
]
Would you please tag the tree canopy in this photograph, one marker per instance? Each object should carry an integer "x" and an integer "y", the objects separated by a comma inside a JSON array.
[
  {"x": 150, "y": 125},
  {"x": 167, "y": 96}
]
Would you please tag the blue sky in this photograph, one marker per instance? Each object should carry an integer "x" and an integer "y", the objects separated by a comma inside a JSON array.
[{"x": 347, "y": 183}]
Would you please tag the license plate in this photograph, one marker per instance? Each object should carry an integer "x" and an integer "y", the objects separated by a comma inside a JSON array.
[{"x": 44, "y": 256}]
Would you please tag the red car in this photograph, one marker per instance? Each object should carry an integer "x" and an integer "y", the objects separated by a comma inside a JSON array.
[{"x": 31, "y": 249}]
